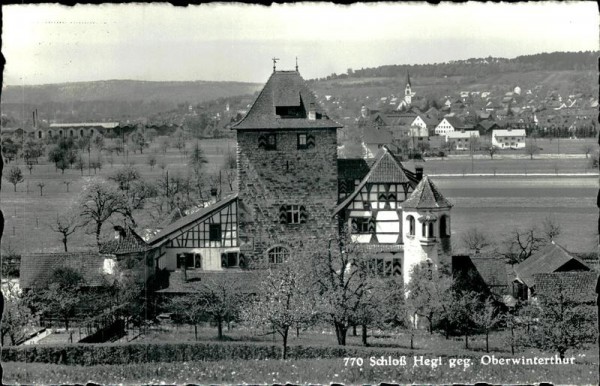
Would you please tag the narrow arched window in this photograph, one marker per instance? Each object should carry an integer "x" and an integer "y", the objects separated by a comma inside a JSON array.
[
  {"x": 81, "y": 133},
  {"x": 444, "y": 226},
  {"x": 278, "y": 255},
  {"x": 411, "y": 225}
]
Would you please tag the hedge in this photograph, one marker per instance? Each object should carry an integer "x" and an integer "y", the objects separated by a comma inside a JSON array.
[{"x": 125, "y": 353}]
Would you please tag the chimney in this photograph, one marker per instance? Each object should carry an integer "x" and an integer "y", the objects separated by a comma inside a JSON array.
[
  {"x": 312, "y": 113},
  {"x": 419, "y": 172}
]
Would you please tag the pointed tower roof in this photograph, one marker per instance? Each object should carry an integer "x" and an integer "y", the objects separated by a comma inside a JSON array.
[
  {"x": 426, "y": 196},
  {"x": 285, "y": 89},
  {"x": 408, "y": 78}
]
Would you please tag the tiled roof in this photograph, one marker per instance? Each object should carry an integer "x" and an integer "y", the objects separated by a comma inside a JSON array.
[
  {"x": 105, "y": 125},
  {"x": 575, "y": 286},
  {"x": 373, "y": 135},
  {"x": 37, "y": 268},
  {"x": 184, "y": 221},
  {"x": 426, "y": 196},
  {"x": 386, "y": 169},
  {"x": 463, "y": 134},
  {"x": 509, "y": 133},
  {"x": 352, "y": 168},
  {"x": 170, "y": 219},
  {"x": 487, "y": 124},
  {"x": 246, "y": 281},
  {"x": 284, "y": 88},
  {"x": 493, "y": 272},
  {"x": 547, "y": 260},
  {"x": 128, "y": 242}
]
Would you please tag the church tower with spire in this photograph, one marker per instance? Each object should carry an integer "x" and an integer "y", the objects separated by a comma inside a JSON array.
[{"x": 407, "y": 90}]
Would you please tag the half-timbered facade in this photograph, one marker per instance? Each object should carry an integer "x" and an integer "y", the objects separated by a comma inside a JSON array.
[{"x": 293, "y": 188}]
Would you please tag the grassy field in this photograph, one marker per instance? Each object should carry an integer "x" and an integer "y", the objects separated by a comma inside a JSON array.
[
  {"x": 28, "y": 214},
  {"x": 326, "y": 370},
  {"x": 323, "y": 371}
]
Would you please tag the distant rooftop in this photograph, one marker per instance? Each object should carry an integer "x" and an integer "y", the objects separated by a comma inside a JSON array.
[{"x": 105, "y": 125}]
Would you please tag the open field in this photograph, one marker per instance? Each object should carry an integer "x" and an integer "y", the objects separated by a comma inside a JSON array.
[
  {"x": 28, "y": 214},
  {"x": 497, "y": 203}
]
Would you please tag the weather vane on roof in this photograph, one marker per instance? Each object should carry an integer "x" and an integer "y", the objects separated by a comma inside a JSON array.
[{"x": 275, "y": 63}]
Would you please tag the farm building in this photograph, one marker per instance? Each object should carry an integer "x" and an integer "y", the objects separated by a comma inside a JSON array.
[
  {"x": 509, "y": 138},
  {"x": 294, "y": 191},
  {"x": 463, "y": 140}
]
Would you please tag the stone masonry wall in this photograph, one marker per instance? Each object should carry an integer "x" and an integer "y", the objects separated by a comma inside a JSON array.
[{"x": 269, "y": 179}]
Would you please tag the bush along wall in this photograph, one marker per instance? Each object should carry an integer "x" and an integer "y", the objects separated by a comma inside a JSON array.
[{"x": 114, "y": 354}]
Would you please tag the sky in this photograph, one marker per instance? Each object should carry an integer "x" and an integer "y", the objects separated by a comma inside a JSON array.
[{"x": 234, "y": 42}]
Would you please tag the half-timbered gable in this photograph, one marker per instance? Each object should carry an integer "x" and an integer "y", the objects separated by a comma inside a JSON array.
[
  {"x": 373, "y": 211},
  {"x": 205, "y": 240}
]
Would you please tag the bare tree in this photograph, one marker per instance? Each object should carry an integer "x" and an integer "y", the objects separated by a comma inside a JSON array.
[
  {"x": 587, "y": 149},
  {"x": 531, "y": 148},
  {"x": 67, "y": 183},
  {"x": 475, "y": 240},
  {"x": 522, "y": 244},
  {"x": 41, "y": 186},
  {"x": 66, "y": 225},
  {"x": 100, "y": 201},
  {"x": 551, "y": 228}
]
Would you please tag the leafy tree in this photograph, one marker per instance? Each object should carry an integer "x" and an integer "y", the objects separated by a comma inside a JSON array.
[
  {"x": 561, "y": 322},
  {"x": 63, "y": 295},
  {"x": 16, "y": 316},
  {"x": 491, "y": 150},
  {"x": 428, "y": 291},
  {"x": 151, "y": 159},
  {"x": 282, "y": 301},
  {"x": 487, "y": 316},
  {"x": 63, "y": 154},
  {"x": 221, "y": 299},
  {"x": 10, "y": 149},
  {"x": 340, "y": 276},
  {"x": 139, "y": 141},
  {"x": 125, "y": 176},
  {"x": 197, "y": 159},
  {"x": 98, "y": 202},
  {"x": 66, "y": 224},
  {"x": 32, "y": 150},
  {"x": 461, "y": 311},
  {"x": 15, "y": 176}
]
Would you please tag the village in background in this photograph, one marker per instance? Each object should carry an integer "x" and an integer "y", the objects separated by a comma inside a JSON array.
[{"x": 437, "y": 210}]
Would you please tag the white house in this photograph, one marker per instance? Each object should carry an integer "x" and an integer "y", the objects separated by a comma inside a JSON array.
[
  {"x": 462, "y": 139},
  {"x": 509, "y": 138},
  {"x": 450, "y": 124}
]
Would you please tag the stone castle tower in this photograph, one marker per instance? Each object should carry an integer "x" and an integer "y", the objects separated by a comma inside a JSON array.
[{"x": 287, "y": 169}]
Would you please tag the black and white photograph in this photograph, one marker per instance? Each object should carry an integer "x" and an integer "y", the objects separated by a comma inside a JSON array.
[{"x": 300, "y": 193}]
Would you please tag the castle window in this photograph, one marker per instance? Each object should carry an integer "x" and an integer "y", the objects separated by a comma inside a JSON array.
[
  {"x": 271, "y": 142},
  {"x": 231, "y": 260},
  {"x": 293, "y": 214},
  {"x": 278, "y": 255},
  {"x": 189, "y": 260},
  {"x": 444, "y": 226},
  {"x": 411, "y": 225},
  {"x": 302, "y": 141},
  {"x": 385, "y": 266},
  {"x": 360, "y": 225},
  {"x": 427, "y": 230},
  {"x": 215, "y": 232},
  {"x": 40, "y": 134},
  {"x": 81, "y": 133}
]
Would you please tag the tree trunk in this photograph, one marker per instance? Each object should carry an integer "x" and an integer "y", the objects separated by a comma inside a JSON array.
[
  {"x": 561, "y": 353},
  {"x": 220, "y": 328},
  {"x": 364, "y": 335},
  {"x": 340, "y": 332},
  {"x": 354, "y": 330},
  {"x": 64, "y": 240},
  {"x": 466, "y": 341},
  {"x": 412, "y": 341},
  {"x": 285, "y": 340},
  {"x": 196, "y": 331},
  {"x": 512, "y": 340},
  {"x": 67, "y": 324},
  {"x": 98, "y": 230},
  {"x": 15, "y": 185},
  {"x": 297, "y": 331},
  {"x": 487, "y": 341}
]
